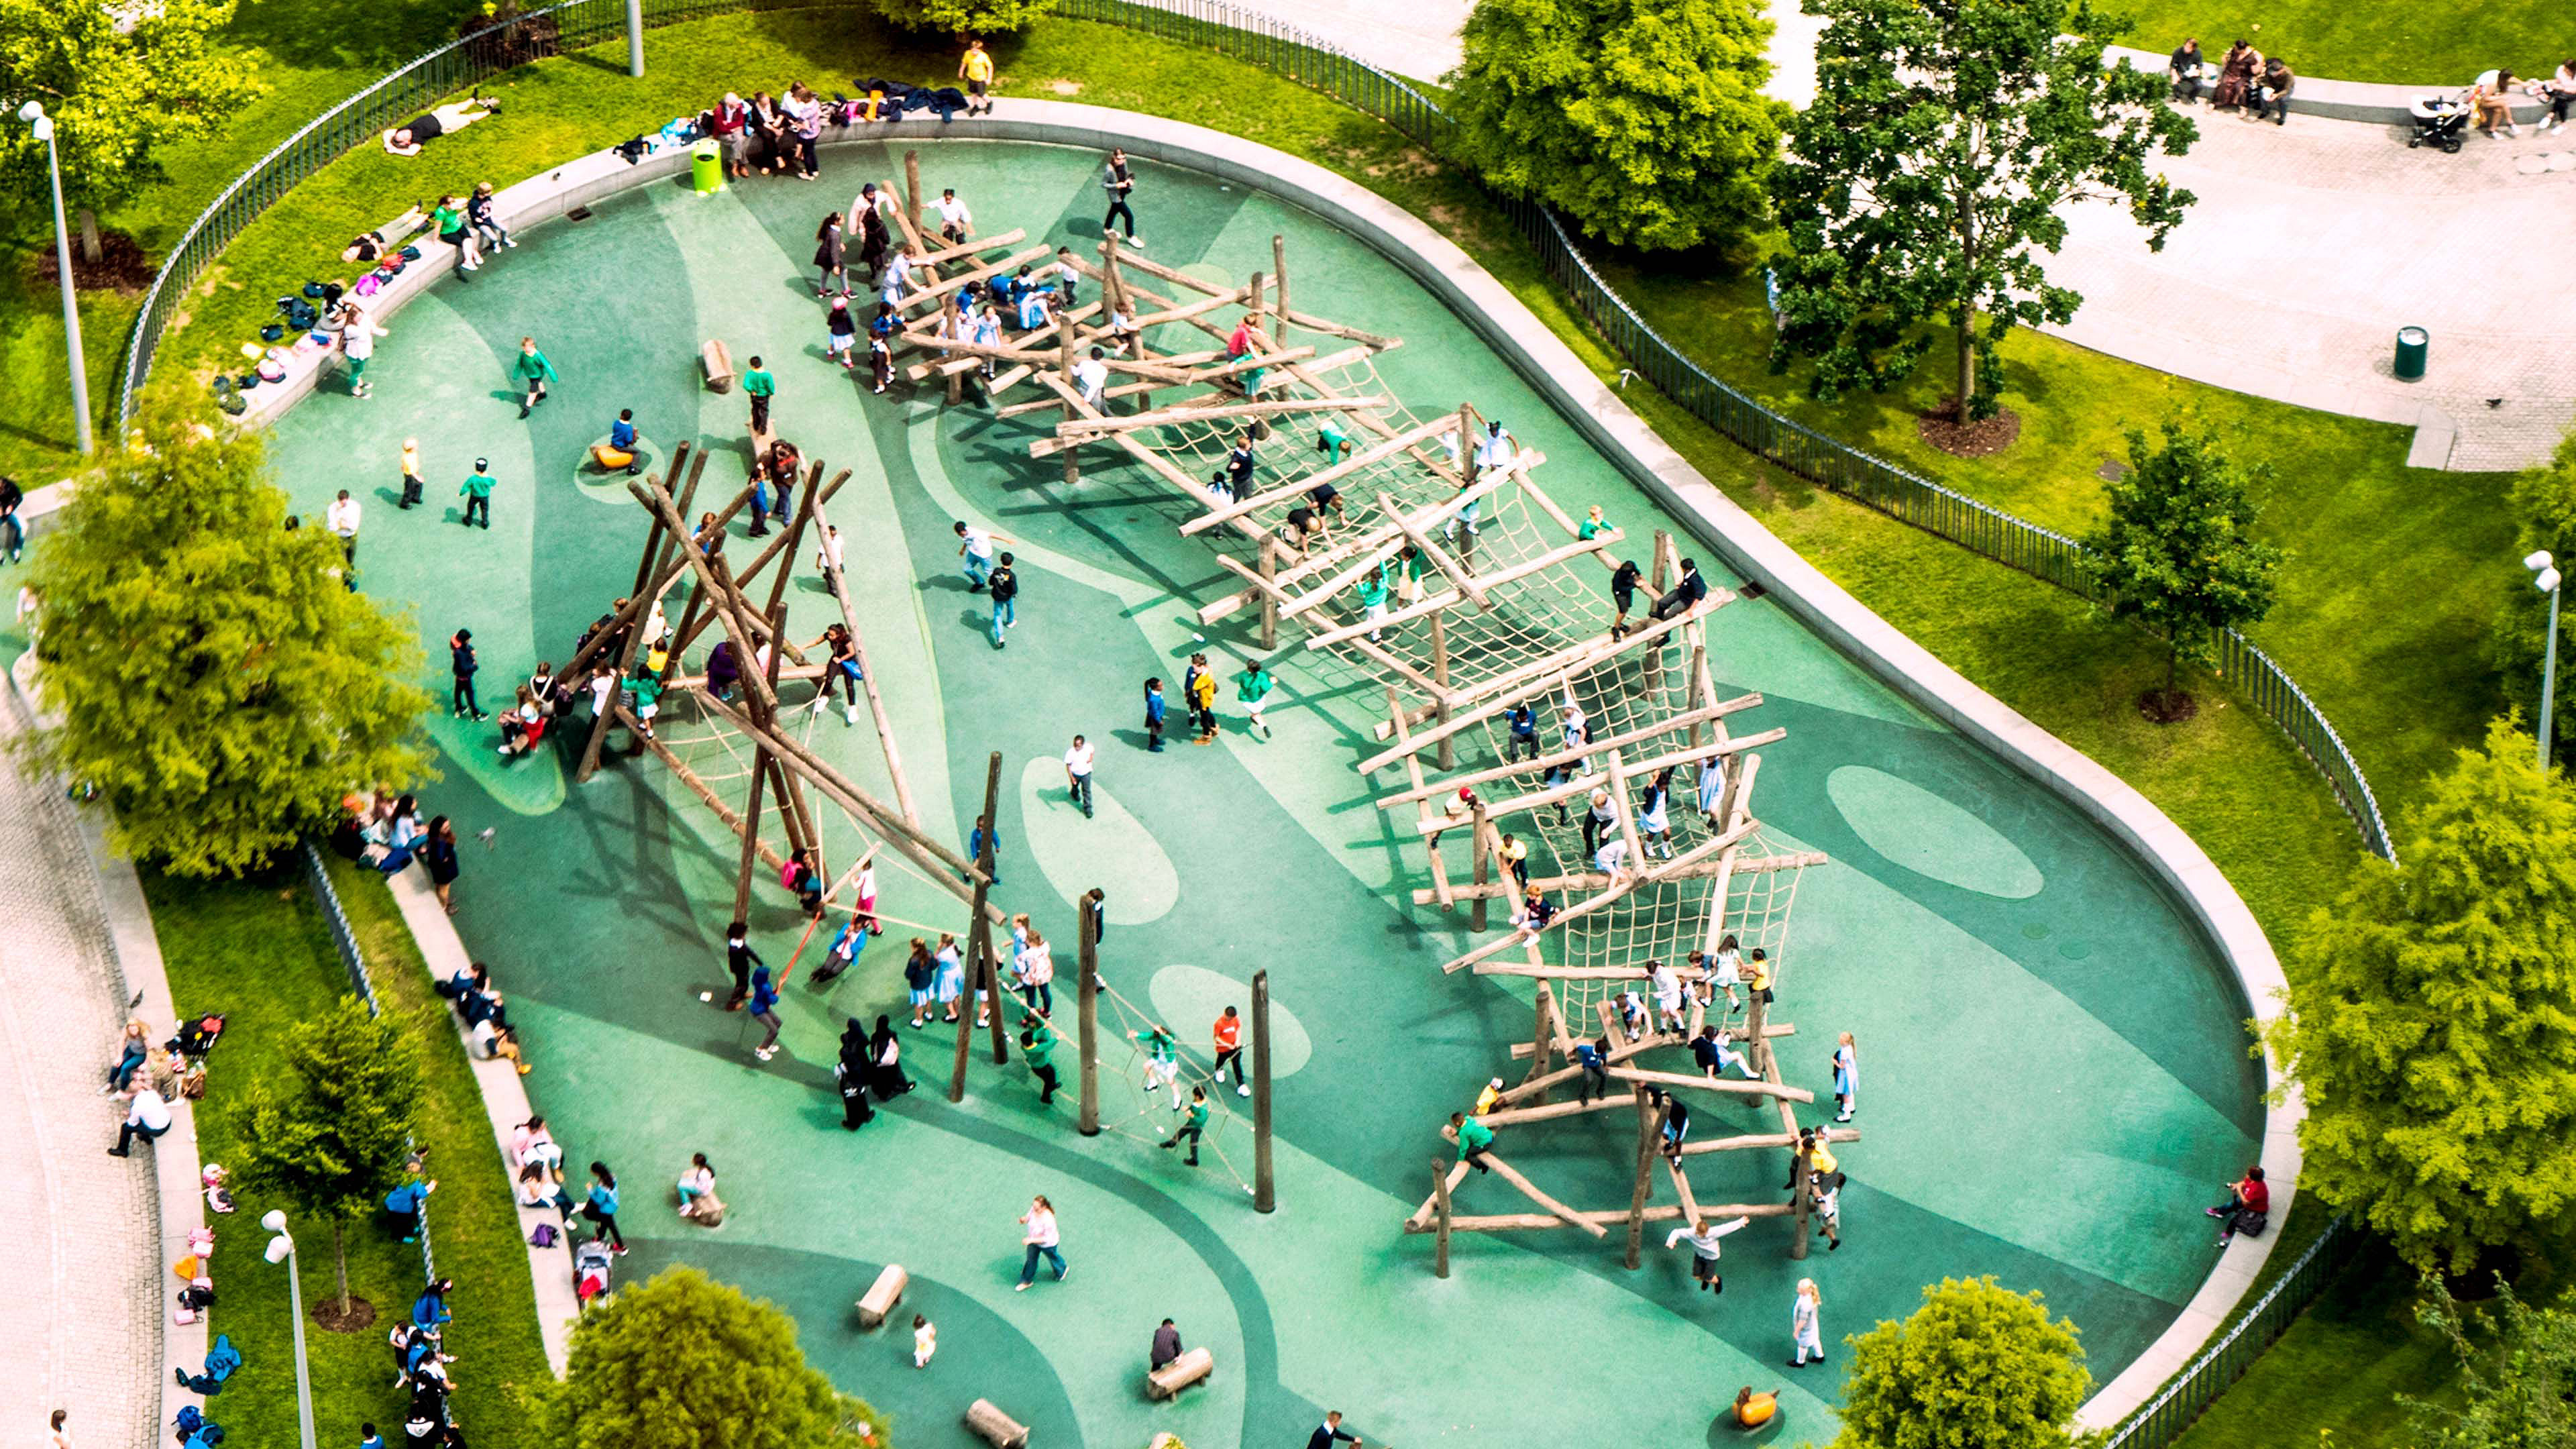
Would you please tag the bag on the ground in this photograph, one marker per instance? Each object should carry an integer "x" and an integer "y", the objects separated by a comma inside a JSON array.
[{"x": 2249, "y": 1223}]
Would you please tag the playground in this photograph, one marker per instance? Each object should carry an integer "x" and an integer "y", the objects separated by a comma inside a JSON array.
[{"x": 2053, "y": 1073}]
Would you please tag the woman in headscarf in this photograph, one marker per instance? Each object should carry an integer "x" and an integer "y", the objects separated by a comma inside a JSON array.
[
  {"x": 885, "y": 1076},
  {"x": 851, "y": 1072}
]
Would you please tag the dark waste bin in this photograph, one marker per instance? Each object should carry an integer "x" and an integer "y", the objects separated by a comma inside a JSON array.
[{"x": 2411, "y": 345}]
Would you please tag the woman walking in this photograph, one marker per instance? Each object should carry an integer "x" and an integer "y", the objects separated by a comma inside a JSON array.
[
  {"x": 1039, "y": 1238},
  {"x": 601, "y": 1209},
  {"x": 885, "y": 1077},
  {"x": 851, "y": 1073},
  {"x": 1803, "y": 1325},
  {"x": 829, "y": 248},
  {"x": 440, "y": 853},
  {"x": 1846, "y": 1076}
]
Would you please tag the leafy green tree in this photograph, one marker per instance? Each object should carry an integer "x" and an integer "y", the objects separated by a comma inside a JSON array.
[
  {"x": 2177, "y": 552},
  {"x": 118, "y": 81},
  {"x": 332, "y": 1133},
  {"x": 2544, "y": 507},
  {"x": 1925, "y": 182},
  {"x": 1644, "y": 120},
  {"x": 1976, "y": 1367},
  {"x": 2429, "y": 1019},
  {"x": 681, "y": 1362},
  {"x": 214, "y": 679},
  {"x": 966, "y": 17},
  {"x": 2519, "y": 1392}
]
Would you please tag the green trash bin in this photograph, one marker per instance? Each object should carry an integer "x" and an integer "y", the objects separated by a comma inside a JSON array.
[
  {"x": 706, "y": 168},
  {"x": 2411, "y": 345}
]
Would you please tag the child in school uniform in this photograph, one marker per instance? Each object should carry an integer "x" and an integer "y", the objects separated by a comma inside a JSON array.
[{"x": 925, "y": 1341}]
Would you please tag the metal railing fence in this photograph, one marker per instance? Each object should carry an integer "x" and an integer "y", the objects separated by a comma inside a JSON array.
[
  {"x": 2168, "y": 1415},
  {"x": 346, "y": 939}
]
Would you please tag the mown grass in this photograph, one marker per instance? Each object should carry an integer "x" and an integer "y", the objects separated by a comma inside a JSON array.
[
  {"x": 257, "y": 950},
  {"x": 2445, "y": 42}
]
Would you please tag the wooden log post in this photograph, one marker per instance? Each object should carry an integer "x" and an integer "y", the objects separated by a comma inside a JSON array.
[
  {"x": 1466, "y": 436},
  {"x": 976, "y": 932},
  {"x": 1542, "y": 1042},
  {"x": 1265, "y": 1188},
  {"x": 1087, "y": 1018},
  {"x": 912, "y": 190},
  {"x": 1654, "y": 660},
  {"x": 750, "y": 837},
  {"x": 952, "y": 311},
  {"x": 1650, "y": 1122},
  {"x": 1440, "y": 677},
  {"x": 1256, "y": 305},
  {"x": 1269, "y": 593},
  {"x": 1757, "y": 1046},
  {"x": 1482, "y": 856},
  {"x": 1440, "y": 1215},
  {"x": 1064, "y": 364},
  {"x": 1798, "y": 1202}
]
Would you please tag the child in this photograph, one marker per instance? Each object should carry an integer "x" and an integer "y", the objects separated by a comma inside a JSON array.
[
  {"x": 841, "y": 331},
  {"x": 1194, "y": 1126},
  {"x": 1654, "y": 827},
  {"x": 925, "y": 1341},
  {"x": 881, "y": 347},
  {"x": 1252, "y": 688},
  {"x": 411, "y": 482},
  {"x": 920, "y": 980},
  {"x": 1154, "y": 715},
  {"x": 1161, "y": 1065},
  {"x": 533, "y": 369}
]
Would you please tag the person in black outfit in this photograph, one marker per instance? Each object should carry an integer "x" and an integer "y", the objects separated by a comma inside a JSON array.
[
  {"x": 1689, "y": 590},
  {"x": 851, "y": 1074},
  {"x": 1329, "y": 1431},
  {"x": 1623, "y": 592},
  {"x": 11, "y": 496},
  {"x": 1238, "y": 469},
  {"x": 2185, "y": 70},
  {"x": 740, "y": 958},
  {"x": 1167, "y": 1346},
  {"x": 1120, "y": 183},
  {"x": 460, "y": 663}
]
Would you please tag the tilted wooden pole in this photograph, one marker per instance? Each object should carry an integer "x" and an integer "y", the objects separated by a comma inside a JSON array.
[
  {"x": 1440, "y": 1212},
  {"x": 1650, "y": 1125},
  {"x": 1088, "y": 1020},
  {"x": 868, "y": 681},
  {"x": 976, "y": 934},
  {"x": 1265, "y": 1193}
]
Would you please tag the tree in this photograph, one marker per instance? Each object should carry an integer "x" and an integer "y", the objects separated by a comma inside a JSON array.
[
  {"x": 2544, "y": 507},
  {"x": 1925, "y": 180},
  {"x": 1976, "y": 1367},
  {"x": 215, "y": 680},
  {"x": 2429, "y": 1019},
  {"x": 2519, "y": 1394},
  {"x": 681, "y": 1362},
  {"x": 118, "y": 80},
  {"x": 332, "y": 1133},
  {"x": 1644, "y": 120},
  {"x": 966, "y": 17},
  {"x": 2177, "y": 553}
]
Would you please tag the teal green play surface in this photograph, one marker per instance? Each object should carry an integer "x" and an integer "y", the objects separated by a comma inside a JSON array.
[{"x": 2054, "y": 1074}]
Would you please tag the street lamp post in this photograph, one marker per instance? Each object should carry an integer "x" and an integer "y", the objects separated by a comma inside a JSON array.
[
  {"x": 281, "y": 1249},
  {"x": 2546, "y": 580},
  {"x": 34, "y": 115}
]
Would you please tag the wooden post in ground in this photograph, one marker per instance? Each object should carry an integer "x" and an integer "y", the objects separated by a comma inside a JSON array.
[
  {"x": 1088, "y": 1018},
  {"x": 1467, "y": 470},
  {"x": 1649, "y": 1122},
  {"x": 912, "y": 189},
  {"x": 1757, "y": 1048},
  {"x": 1482, "y": 854},
  {"x": 1439, "y": 1216},
  {"x": 954, "y": 314},
  {"x": 1279, "y": 280},
  {"x": 1698, "y": 667},
  {"x": 750, "y": 837},
  {"x": 1064, "y": 363},
  {"x": 1654, "y": 660},
  {"x": 1440, "y": 676},
  {"x": 1269, "y": 599},
  {"x": 1542, "y": 1040},
  {"x": 978, "y": 931},
  {"x": 1798, "y": 1202},
  {"x": 1265, "y": 1194}
]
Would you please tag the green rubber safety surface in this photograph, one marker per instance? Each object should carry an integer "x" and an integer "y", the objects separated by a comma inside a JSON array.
[{"x": 2054, "y": 1075}]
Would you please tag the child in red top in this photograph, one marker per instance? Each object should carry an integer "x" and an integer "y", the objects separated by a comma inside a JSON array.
[
  {"x": 1229, "y": 1048},
  {"x": 2248, "y": 1203}
]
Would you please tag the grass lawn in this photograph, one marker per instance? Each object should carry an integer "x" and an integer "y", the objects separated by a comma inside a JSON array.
[
  {"x": 257, "y": 950},
  {"x": 2445, "y": 43}
]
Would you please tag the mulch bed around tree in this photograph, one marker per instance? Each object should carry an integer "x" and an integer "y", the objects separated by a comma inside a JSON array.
[
  {"x": 121, "y": 266},
  {"x": 2168, "y": 706},
  {"x": 361, "y": 1314},
  {"x": 1976, "y": 440}
]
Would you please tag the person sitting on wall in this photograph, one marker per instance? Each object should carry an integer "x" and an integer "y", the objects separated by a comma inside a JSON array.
[
  {"x": 407, "y": 138},
  {"x": 2248, "y": 1206}
]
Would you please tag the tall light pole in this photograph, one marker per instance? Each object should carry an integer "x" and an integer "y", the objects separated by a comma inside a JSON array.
[
  {"x": 2546, "y": 571},
  {"x": 281, "y": 1249},
  {"x": 34, "y": 115}
]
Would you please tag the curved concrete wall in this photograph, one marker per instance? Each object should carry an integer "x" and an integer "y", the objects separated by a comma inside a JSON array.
[{"x": 1749, "y": 548}]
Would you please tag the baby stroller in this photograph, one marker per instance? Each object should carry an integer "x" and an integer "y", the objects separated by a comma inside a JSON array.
[
  {"x": 2439, "y": 120},
  {"x": 592, "y": 1267}
]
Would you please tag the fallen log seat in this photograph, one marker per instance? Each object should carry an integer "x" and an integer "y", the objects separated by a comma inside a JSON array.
[
  {"x": 719, "y": 365},
  {"x": 883, "y": 1295},
  {"x": 1190, "y": 1368},
  {"x": 997, "y": 1428}
]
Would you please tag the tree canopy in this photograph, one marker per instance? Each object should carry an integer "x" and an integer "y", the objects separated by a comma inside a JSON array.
[
  {"x": 965, "y": 17},
  {"x": 681, "y": 1362},
  {"x": 332, "y": 1133},
  {"x": 2544, "y": 507},
  {"x": 2430, "y": 1021},
  {"x": 214, "y": 679},
  {"x": 1924, "y": 184},
  {"x": 1976, "y": 1367},
  {"x": 2517, "y": 1392},
  {"x": 118, "y": 80},
  {"x": 2177, "y": 553},
  {"x": 1643, "y": 120}
]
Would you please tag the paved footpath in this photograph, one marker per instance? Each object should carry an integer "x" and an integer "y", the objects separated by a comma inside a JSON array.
[
  {"x": 2312, "y": 243},
  {"x": 80, "y": 1231}
]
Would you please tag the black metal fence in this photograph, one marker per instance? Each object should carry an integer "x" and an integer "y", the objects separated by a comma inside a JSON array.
[
  {"x": 319, "y": 875},
  {"x": 2171, "y": 1412}
]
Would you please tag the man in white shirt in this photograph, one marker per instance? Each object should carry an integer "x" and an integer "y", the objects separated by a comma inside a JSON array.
[
  {"x": 955, "y": 222},
  {"x": 147, "y": 1119},
  {"x": 827, "y": 559},
  {"x": 976, "y": 547},
  {"x": 1093, "y": 374},
  {"x": 342, "y": 519},
  {"x": 1077, "y": 774},
  {"x": 1702, "y": 1237}
]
